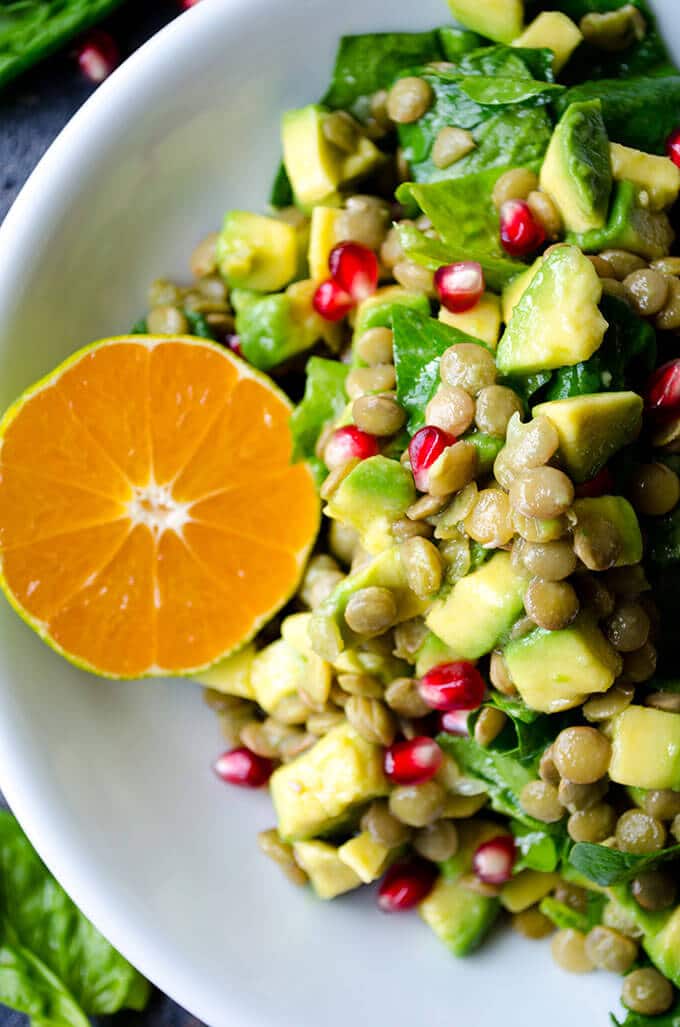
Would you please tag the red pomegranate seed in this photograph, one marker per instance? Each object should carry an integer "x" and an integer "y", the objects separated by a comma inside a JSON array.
[
  {"x": 453, "y": 686},
  {"x": 332, "y": 302},
  {"x": 493, "y": 861},
  {"x": 405, "y": 885},
  {"x": 414, "y": 761},
  {"x": 460, "y": 286},
  {"x": 355, "y": 269},
  {"x": 663, "y": 388},
  {"x": 186, "y": 4},
  {"x": 424, "y": 448},
  {"x": 243, "y": 767},
  {"x": 601, "y": 485},
  {"x": 521, "y": 233},
  {"x": 673, "y": 146},
  {"x": 455, "y": 722},
  {"x": 98, "y": 55},
  {"x": 349, "y": 443},
  {"x": 234, "y": 344}
]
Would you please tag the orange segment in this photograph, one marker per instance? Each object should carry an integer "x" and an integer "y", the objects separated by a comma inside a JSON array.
[{"x": 150, "y": 521}]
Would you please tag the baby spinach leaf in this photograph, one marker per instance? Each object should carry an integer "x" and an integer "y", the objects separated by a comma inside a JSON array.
[
  {"x": 29, "y": 987},
  {"x": 140, "y": 327},
  {"x": 198, "y": 325},
  {"x": 566, "y": 918},
  {"x": 500, "y": 61},
  {"x": 501, "y": 92},
  {"x": 281, "y": 193},
  {"x": 536, "y": 849},
  {"x": 663, "y": 539},
  {"x": 527, "y": 385},
  {"x": 605, "y": 866},
  {"x": 638, "y": 112},
  {"x": 432, "y": 253},
  {"x": 324, "y": 400},
  {"x": 456, "y": 42},
  {"x": 669, "y": 1019}
]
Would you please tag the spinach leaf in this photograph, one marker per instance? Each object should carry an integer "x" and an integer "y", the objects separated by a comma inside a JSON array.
[
  {"x": 324, "y": 400},
  {"x": 500, "y": 61},
  {"x": 663, "y": 539},
  {"x": 140, "y": 327},
  {"x": 456, "y": 42},
  {"x": 281, "y": 193},
  {"x": 605, "y": 866},
  {"x": 527, "y": 385},
  {"x": 528, "y": 733},
  {"x": 432, "y": 253},
  {"x": 64, "y": 969},
  {"x": 638, "y": 112},
  {"x": 566, "y": 918},
  {"x": 198, "y": 325},
  {"x": 501, "y": 92},
  {"x": 536, "y": 849},
  {"x": 669, "y": 1019}
]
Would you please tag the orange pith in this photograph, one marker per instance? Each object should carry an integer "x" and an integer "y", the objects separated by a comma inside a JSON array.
[{"x": 150, "y": 520}]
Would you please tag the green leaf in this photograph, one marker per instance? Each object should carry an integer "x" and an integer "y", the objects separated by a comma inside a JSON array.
[
  {"x": 638, "y": 112},
  {"x": 43, "y": 925},
  {"x": 324, "y": 400},
  {"x": 501, "y": 92},
  {"x": 669, "y": 1019},
  {"x": 566, "y": 918},
  {"x": 140, "y": 327},
  {"x": 28, "y": 986},
  {"x": 281, "y": 192},
  {"x": 663, "y": 539},
  {"x": 198, "y": 325},
  {"x": 605, "y": 866},
  {"x": 456, "y": 42},
  {"x": 537, "y": 849}
]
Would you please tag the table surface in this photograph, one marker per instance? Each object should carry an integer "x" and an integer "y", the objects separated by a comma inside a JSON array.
[{"x": 33, "y": 111}]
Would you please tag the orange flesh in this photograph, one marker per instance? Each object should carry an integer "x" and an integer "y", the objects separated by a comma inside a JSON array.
[{"x": 125, "y": 577}]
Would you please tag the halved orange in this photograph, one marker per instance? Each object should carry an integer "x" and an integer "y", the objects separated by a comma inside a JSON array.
[{"x": 150, "y": 518}]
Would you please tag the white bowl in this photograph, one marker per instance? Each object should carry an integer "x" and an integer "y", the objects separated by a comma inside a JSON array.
[{"x": 112, "y": 781}]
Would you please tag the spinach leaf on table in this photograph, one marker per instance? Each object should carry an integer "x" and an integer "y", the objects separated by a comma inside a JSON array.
[
  {"x": 638, "y": 112},
  {"x": 606, "y": 867},
  {"x": 324, "y": 400}
]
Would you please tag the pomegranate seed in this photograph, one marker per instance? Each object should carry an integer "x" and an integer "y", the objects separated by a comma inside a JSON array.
[
  {"x": 521, "y": 233},
  {"x": 601, "y": 485},
  {"x": 424, "y": 448},
  {"x": 186, "y": 4},
  {"x": 455, "y": 722},
  {"x": 234, "y": 344},
  {"x": 98, "y": 55},
  {"x": 453, "y": 686},
  {"x": 414, "y": 761},
  {"x": 673, "y": 146},
  {"x": 663, "y": 388},
  {"x": 349, "y": 443},
  {"x": 355, "y": 269},
  {"x": 460, "y": 286},
  {"x": 332, "y": 302},
  {"x": 405, "y": 885},
  {"x": 493, "y": 861},
  {"x": 243, "y": 767}
]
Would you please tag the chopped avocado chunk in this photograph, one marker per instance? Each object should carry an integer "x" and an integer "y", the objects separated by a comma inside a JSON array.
[
  {"x": 664, "y": 948},
  {"x": 592, "y": 428},
  {"x": 515, "y": 289},
  {"x": 365, "y": 857},
  {"x": 576, "y": 171},
  {"x": 500, "y": 20},
  {"x": 488, "y": 447},
  {"x": 630, "y": 227},
  {"x": 231, "y": 676},
  {"x": 458, "y": 916},
  {"x": 557, "y": 321},
  {"x": 527, "y": 888},
  {"x": 432, "y": 652},
  {"x": 277, "y": 671},
  {"x": 657, "y": 179},
  {"x": 372, "y": 496},
  {"x": 620, "y": 513},
  {"x": 554, "y": 31},
  {"x": 327, "y": 873},
  {"x": 480, "y": 608},
  {"x": 316, "y": 791},
  {"x": 323, "y": 236},
  {"x": 557, "y": 670},
  {"x": 295, "y": 631},
  {"x": 377, "y": 310},
  {"x": 482, "y": 322},
  {"x": 646, "y": 748},
  {"x": 257, "y": 252}
]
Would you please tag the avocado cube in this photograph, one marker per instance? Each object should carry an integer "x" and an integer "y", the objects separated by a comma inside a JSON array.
[
  {"x": 592, "y": 428},
  {"x": 232, "y": 675},
  {"x": 315, "y": 792},
  {"x": 376, "y": 311},
  {"x": 646, "y": 748},
  {"x": 257, "y": 252},
  {"x": 323, "y": 236},
  {"x": 526, "y": 889},
  {"x": 576, "y": 171},
  {"x": 630, "y": 227},
  {"x": 500, "y": 20},
  {"x": 552, "y": 30},
  {"x": 318, "y": 674},
  {"x": 515, "y": 289},
  {"x": 371, "y": 498},
  {"x": 295, "y": 631},
  {"x": 276, "y": 671},
  {"x": 663, "y": 948},
  {"x": 655, "y": 178},
  {"x": 557, "y": 322},
  {"x": 557, "y": 670},
  {"x": 482, "y": 322},
  {"x": 366, "y": 857},
  {"x": 620, "y": 513},
  {"x": 328, "y": 875},
  {"x": 458, "y": 916},
  {"x": 480, "y": 608}
]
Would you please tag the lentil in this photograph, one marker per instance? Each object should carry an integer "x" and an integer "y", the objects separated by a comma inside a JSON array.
[
  {"x": 371, "y": 719},
  {"x": 370, "y": 611},
  {"x": 594, "y": 595},
  {"x": 542, "y": 492},
  {"x": 414, "y": 277},
  {"x": 613, "y": 287},
  {"x": 167, "y": 320},
  {"x": 669, "y": 318},
  {"x": 417, "y": 805},
  {"x": 597, "y": 542},
  {"x": 577, "y": 798},
  {"x": 552, "y": 561},
  {"x": 437, "y": 842},
  {"x": 539, "y": 800},
  {"x": 609, "y": 950},
  {"x": 422, "y": 565},
  {"x": 592, "y": 825},
  {"x": 361, "y": 684},
  {"x": 581, "y": 754},
  {"x": 450, "y": 145},
  {"x": 654, "y": 890},
  {"x": 365, "y": 220},
  {"x": 342, "y": 541},
  {"x": 383, "y": 827},
  {"x": 622, "y": 263},
  {"x": 640, "y": 665},
  {"x": 551, "y": 604},
  {"x": 613, "y": 702},
  {"x": 322, "y": 576},
  {"x": 453, "y": 469},
  {"x": 628, "y": 627},
  {"x": 647, "y": 992},
  {"x": 569, "y": 951},
  {"x": 648, "y": 291},
  {"x": 500, "y": 675},
  {"x": 489, "y": 522},
  {"x": 255, "y": 737},
  {"x": 336, "y": 477},
  {"x": 663, "y": 804},
  {"x": 378, "y": 415},
  {"x": 654, "y": 489},
  {"x": 515, "y": 184},
  {"x": 375, "y": 346},
  {"x": 451, "y": 409},
  {"x": 363, "y": 380},
  {"x": 203, "y": 260},
  {"x": 496, "y": 404},
  {"x": 639, "y": 833},
  {"x": 468, "y": 366},
  {"x": 281, "y": 852},
  {"x": 403, "y": 697},
  {"x": 426, "y": 506},
  {"x": 669, "y": 702},
  {"x": 533, "y": 924},
  {"x": 490, "y": 723},
  {"x": 391, "y": 252},
  {"x": 408, "y": 638},
  {"x": 547, "y": 771},
  {"x": 408, "y": 99},
  {"x": 546, "y": 213},
  {"x": 404, "y": 529},
  {"x": 667, "y": 265},
  {"x": 320, "y": 724}
]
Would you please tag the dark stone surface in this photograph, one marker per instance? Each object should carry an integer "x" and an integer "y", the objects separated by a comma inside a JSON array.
[{"x": 33, "y": 110}]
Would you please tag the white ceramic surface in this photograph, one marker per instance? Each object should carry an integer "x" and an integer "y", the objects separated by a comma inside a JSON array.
[{"x": 112, "y": 781}]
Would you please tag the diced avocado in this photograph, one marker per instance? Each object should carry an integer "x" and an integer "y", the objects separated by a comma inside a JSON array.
[
  {"x": 327, "y": 873},
  {"x": 630, "y": 227},
  {"x": 318, "y": 675},
  {"x": 488, "y": 447},
  {"x": 365, "y": 857},
  {"x": 576, "y": 171},
  {"x": 323, "y": 237},
  {"x": 656, "y": 178},
  {"x": 371, "y": 660},
  {"x": 527, "y": 888},
  {"x": 646, "y": 748},
  {"x": 311, "y": 325},
  {"x": 276, "y": 671},
  {"x": 316, "y": 791},
  {"x": 621, "y": 514},
  {"x": 554, "y": 31},
  {"x": 374, "y": 495},
  {"x": 231, "y": 676},
  {"x": 592, "y": 428},
  {"x": 377, "y": 310},
  {"x": 295, "y": 631},
  {"x": 482, "y": 322},
  {"x": 513, "y": 292},
  {"x": 432, "y": 652},
  {"x": 664, "y": 948},
  {"x": 557, "y": 670},
  {"x": 534, "y": 529},
  {"x": 458, "y": 916},
  {"x": 257, "y": 252},
  {"x": 557, "y": 322},
  {"x": 500, "y": 20},
  {"x": 480, "y": 608}
]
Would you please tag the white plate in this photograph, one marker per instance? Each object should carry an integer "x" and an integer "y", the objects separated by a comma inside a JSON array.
[{"x": 112, "y": 782}]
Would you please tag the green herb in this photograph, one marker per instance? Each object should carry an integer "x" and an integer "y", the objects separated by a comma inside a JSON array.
[
  {"x": 54, "y": 965},
  {"x": 605, "y": 866},
  {"x": 669, "y": 1019},
  {"x": 663, "y": 539},
  {"x": 566, "y": 918},
  {"x": 140, "y": 327},
  {"x": 281, "y": 193},
  {"x": 537, "y": 849},
  {"x": 638, "y": 112},
  {"x": 324, "y": 400},
  {"x": 198, "y": 325}
]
